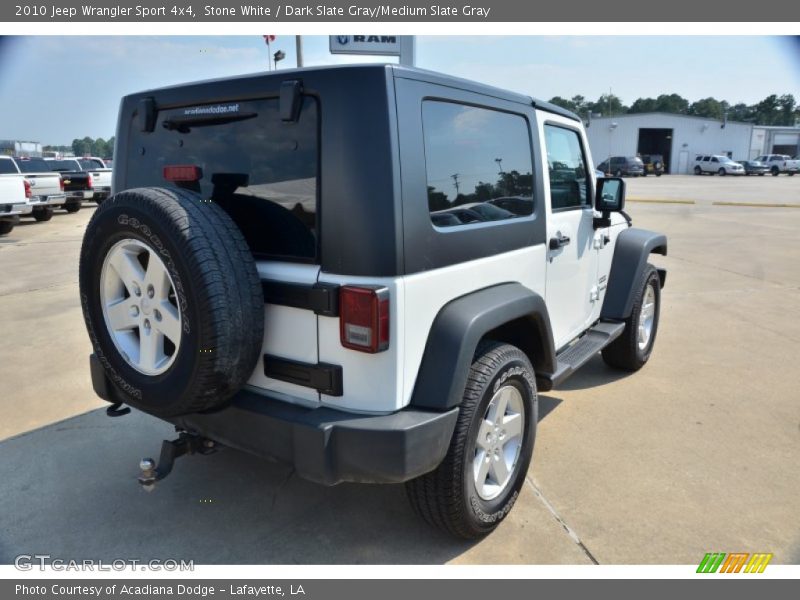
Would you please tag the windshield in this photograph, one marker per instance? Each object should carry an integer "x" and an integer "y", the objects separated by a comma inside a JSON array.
[{"x": 725, "y": 159}]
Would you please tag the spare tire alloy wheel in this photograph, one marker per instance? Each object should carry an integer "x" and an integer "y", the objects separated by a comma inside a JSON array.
[
  {"x": 171, "y": 299},
  {"x": 140, "y": 307}
]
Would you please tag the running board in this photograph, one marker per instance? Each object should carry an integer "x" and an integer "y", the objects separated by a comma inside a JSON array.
[{"x": 573, "y": 357}]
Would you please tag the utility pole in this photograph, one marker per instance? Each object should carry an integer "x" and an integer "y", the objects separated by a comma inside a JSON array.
[
  {"x": 299, "y": 45},
  {"x": 455, "y": 177}
]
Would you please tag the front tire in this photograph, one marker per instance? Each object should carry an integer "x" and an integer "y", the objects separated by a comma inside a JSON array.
[
  {"x": 775, "y": 171},
  {"x": 722, "y": 172},
  {"x": 479, "y": 480},
  {"x": 631, "y": 350},
  {"x": 698, "y": 171}
]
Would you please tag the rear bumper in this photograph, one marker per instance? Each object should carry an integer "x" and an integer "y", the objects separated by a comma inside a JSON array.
[
  {"x": 80, "y": 195},
  {"x": 11, "y": 210},
  {"x": 51, "y": 200},
  {"x": 324, "y": 445}
]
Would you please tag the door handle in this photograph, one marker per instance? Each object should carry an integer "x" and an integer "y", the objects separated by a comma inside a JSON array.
[{"x": 559, "y": 241}]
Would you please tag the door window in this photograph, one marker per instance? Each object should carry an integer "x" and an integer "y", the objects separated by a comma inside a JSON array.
[{"x": 569, "y": 178}]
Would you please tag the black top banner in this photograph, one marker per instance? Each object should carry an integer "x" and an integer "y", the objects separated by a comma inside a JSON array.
[{"x": 461, "y": 11}]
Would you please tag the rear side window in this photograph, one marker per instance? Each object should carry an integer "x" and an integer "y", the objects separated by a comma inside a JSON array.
[
  {"x": 260, "y": 169},
  {"x": 478, "y": 163},
  {"x": 6, "y": 167},
  {"x": 569, "y": 179}
]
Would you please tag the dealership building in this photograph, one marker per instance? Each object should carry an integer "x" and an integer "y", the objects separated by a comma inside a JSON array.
[{"x": 679, "y": 138}]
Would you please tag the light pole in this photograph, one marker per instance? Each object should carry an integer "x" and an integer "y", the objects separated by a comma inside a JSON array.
[{"x": 298, "y": 40}]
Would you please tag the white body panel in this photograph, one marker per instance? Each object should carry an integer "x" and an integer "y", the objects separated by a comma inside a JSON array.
[
  {"x": 288, "y": 332},
  {"x": 12, "y": 196},
  {"x": 45, "y": 187}
]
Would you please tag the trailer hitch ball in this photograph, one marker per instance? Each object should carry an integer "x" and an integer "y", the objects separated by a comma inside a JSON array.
[{"x": 148, "y": 477}]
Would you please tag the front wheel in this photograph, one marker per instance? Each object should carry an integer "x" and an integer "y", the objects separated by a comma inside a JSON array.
[
  {"x": 722, "y": 172},
  {"x": 479, "y": 480},
  {"x": 775, "y": 171},
  {"x": 698, "y": 171},
  {"x": 631, "y": 350}
]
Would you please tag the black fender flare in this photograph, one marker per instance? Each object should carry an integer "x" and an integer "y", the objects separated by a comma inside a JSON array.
[
  {"x": 509, "y": 310},
  {"x": 632, "y": 248}
]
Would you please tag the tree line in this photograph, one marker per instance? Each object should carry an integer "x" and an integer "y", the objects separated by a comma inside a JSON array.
[
  {"x": 86, "y": 147},
  {"x": 772, "y": 110}
]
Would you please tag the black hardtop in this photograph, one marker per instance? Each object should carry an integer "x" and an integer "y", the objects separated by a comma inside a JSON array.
[{"x": 254, "y": 84}]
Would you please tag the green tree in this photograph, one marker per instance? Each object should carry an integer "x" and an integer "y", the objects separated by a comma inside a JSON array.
[
  {"x": 81, "y": 147},
  {"x": 707, "y": 107},
  {"x": 643, "y": 105},
  {"x": 608, "y": 105},
  {"x": 672, "y": 103},
  {"x": 788, "y": 110}
]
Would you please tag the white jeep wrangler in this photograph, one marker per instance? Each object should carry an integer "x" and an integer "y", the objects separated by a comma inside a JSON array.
[{"x": 365, "y": 271}]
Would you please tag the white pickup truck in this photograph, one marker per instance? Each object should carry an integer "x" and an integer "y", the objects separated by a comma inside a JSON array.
[
  {"x": 101, "y": 176},
  {"x": 14, "y": 195},
  {"x": 47, "y": 188},
  {"x": 780, "y": 163}
]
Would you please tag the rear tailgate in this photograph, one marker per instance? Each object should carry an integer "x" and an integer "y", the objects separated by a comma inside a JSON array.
[
  {"x": 77, "y": 181},
  {"x": 101, "y": 178}
]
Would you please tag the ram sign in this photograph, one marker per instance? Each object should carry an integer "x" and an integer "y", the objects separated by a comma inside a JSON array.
[{"x": 381, "y": 45}]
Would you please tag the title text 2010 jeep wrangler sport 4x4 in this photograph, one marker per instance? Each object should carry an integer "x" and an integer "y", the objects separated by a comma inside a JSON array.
[{"x": 366, "y": 271}]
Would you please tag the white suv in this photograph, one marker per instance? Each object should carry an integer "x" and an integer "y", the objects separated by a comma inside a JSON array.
[
  {"x": 716, "y": 164},
  {"x": 267, "y": 277}
]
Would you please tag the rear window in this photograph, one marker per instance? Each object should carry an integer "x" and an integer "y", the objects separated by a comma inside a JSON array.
[
  {"x": 90, "y": 164},
  {"x": 33, "y": 165},
  {"x": 63, "y": 165},
  {"x": 260, "y": 169}
]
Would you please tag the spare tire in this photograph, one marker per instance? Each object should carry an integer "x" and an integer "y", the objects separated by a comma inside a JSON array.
[{"x": 172, "y": 300}]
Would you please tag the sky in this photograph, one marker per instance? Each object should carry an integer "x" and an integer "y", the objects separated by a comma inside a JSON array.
[{"x": 57, "y": 88}]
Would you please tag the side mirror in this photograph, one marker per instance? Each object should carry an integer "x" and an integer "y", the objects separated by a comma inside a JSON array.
[{"x": 610, "y": 196}]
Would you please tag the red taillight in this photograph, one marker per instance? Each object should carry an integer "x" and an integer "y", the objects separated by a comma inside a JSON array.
[
  {"x": 183, "y": 173},
  {"x": 364, "y": 318},
  {"x": 90, "y": 182},
  {"x": 61, "y": 183},
  {"x": 27, "y": 188}
]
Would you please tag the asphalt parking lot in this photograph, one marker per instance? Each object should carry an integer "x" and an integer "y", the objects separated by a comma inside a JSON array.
[{"x": 697, "y": 452}]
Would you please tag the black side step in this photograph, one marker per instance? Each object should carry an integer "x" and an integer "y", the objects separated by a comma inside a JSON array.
[{"x": 574, "y": 356}]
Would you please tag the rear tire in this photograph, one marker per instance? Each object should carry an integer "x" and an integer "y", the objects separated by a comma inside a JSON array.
[
  {"x": 6, "y": 227},
  {"x": 462, "y": 496},
  {"x": 722, "y": 172},
  {"x": 43, "y": 214},
  {"x": 72, "y": 207},
  {"x": 775, "y": 171},
  {"x": 631, "y": 350},
  {"x": 171, "y": 299}
]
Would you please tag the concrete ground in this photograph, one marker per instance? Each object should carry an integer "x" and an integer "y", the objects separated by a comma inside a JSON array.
[{"x": 697, "y": 452}]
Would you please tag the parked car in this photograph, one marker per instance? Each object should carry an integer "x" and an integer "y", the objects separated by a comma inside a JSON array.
[
  {"x": 47, "y": 188},
  {"x": 358, "y": 343},
  {"x": 15, "y": 193},
  {"x": 754, "y": 167},
  {"x": 780, "y": 163},
  {"x": 653, "y": 164},
  {"x": 622, "y": 166},
  {"x": 716, "y": 164}
]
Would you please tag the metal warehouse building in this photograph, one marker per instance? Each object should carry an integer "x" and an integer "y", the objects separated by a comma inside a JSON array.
[{"x": 679, "y": 138}]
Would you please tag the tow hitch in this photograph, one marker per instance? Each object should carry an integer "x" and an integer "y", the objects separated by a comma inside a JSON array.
[{"x": 187, "y": 443}]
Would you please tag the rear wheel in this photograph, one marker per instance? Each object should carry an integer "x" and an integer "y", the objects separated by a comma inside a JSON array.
[
  {"x": 72, "y": 207},
  {"x": 43, "y": 214},
  {"x": 632, "y": 349},
  {"x": 722, "y": 172},
  {"x": 775, "y": 171},
  {"x": 479, "y": 480},
  {"x": 171, "y": 299},
  {"x": 6, "y": 227}
]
